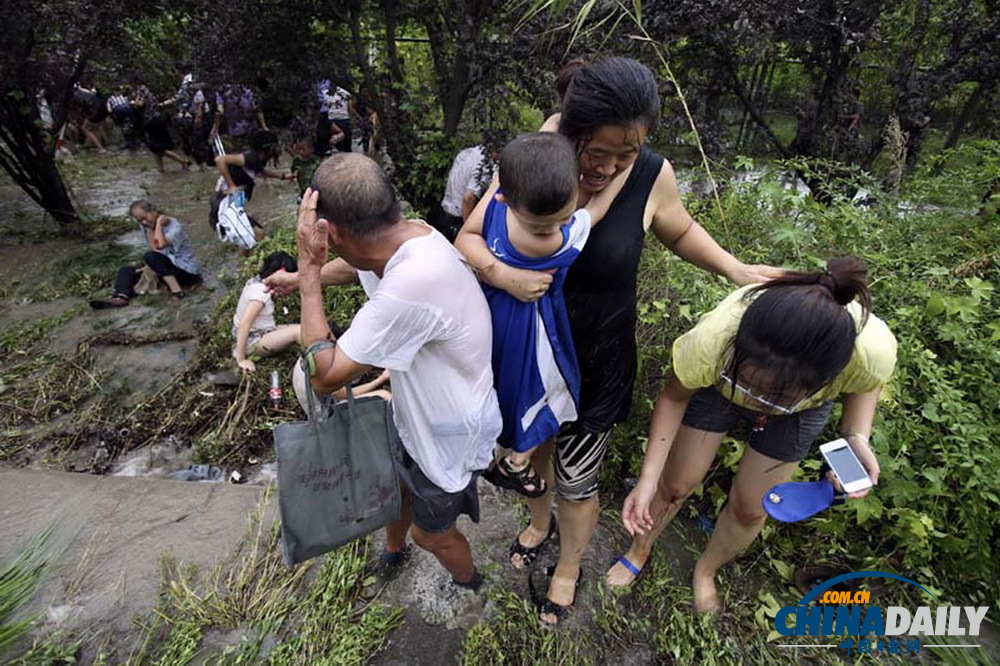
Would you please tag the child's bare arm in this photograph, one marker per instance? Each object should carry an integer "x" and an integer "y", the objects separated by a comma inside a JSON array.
[
  {"x": 243, "y": 334},
  {"x": 600, "y": 203}
]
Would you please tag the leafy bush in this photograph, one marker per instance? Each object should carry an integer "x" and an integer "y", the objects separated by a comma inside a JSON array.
[{"x": 933, "y": 274}]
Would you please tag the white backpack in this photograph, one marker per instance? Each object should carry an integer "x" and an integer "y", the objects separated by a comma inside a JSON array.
[{"x": 234, "y": 223}]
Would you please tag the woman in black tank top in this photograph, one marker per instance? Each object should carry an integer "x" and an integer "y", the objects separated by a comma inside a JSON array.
[{"x": 609, "y": 108}]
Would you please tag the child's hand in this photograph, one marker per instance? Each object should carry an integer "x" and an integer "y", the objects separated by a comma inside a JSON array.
[{"x": 247, "y": 365}]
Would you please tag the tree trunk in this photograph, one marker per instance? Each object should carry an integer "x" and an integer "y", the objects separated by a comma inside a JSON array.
[
  {"x": 389, "y": 9},
  {"x": 30, "y": 162},
  {"x": 457, "y": 94},
  {"x": 397, "y": 128},
  {"x": 970, "y": 109},
  {"x": 751, "y": 110}
]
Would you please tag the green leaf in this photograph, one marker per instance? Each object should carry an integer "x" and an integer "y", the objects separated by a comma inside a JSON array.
[
  {"x": 783, "y": 569},
  {"x": 935, "y": 305},
  {"x": 867, "y": 508}
]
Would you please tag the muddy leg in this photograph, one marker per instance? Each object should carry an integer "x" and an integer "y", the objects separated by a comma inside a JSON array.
[
  {"x": 690, "y": 457},
  {"x": 739, "y": 522}
]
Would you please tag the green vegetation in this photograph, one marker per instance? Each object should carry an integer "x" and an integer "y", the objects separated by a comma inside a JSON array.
[
  {"x": 20, "y": 579},
  {"x": 933, "y": 269},
  {"x": 310, "y": 614}
]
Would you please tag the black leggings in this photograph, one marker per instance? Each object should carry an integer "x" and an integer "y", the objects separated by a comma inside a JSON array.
[{"x": 161, "y": 265}]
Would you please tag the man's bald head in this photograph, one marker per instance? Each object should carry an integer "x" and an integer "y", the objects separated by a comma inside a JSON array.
[{"x": 356, "y": 195}]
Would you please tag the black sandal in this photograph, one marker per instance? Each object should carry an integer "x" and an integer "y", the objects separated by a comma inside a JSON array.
[
  {"x": 548, "y": 607},
  {"x": 527, "y": 554},
  {"x": 502, "y": 475}
]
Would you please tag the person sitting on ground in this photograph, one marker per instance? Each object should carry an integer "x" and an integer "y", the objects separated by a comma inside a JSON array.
[
  {"x": 170, "y": 257},
  {"x": 530, "y": 223},
  {"x": 373, "y": 387},
  {"x": 427, "y": 322},
  {"x": 254, "y": 328},
  {"x": 773, "y": 356},
  {"x": 239, "y": 171}
]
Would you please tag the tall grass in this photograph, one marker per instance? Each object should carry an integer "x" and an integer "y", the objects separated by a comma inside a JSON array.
[{"x": 20, "y": 580}]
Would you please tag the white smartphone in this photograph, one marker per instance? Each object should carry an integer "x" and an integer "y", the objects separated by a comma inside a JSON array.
[{"x": 845, "y": 465}]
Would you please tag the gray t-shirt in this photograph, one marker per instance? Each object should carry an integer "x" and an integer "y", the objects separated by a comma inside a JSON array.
[{"x": 179, "y": 250}]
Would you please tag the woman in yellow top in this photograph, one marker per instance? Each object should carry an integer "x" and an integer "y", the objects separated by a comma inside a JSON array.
[{"x": 775, "y": 356}]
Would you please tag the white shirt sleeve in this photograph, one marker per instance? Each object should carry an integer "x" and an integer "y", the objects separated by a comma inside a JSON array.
[
  {"x": 257, "y": 291},
  {"x": 579, "y": 229},
  {"x": 388, "y": 332}
]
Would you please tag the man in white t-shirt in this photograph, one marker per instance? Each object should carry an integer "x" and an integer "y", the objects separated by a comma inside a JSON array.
[
  {"x": 427, "y": 322},
  {"x": 470, "y": 175}
]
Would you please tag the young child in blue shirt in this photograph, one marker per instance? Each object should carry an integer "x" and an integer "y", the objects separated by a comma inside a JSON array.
[{"x": 533, "y": 223}]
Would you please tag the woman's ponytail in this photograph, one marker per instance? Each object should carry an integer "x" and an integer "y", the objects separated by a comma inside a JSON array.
[{"x": 847, "y": 280}]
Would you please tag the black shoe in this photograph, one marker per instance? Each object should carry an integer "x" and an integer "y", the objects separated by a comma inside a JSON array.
[
  {"x": 529, "y": 555},
  {"x": 474, "y": 584},
  {"x": 108, "y": 303}
]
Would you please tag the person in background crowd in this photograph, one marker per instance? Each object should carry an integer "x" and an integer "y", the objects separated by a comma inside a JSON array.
[
  {"x": 156, "y": 127},
  {"x": 304, "y": 159},
  {"x": 239, "y": 107},
  {"x": 194, "y": 119},
  {"x": 239, "y": 171},
  {"x": 88, "y": 111},
  {"x": 125, "y": 117},
  {"x": 336, "y": 106},
  {"x": 468, "y": 178}
]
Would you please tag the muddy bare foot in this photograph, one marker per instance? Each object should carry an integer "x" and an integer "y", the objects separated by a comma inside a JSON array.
[
  {"x": 619, "y": 575},
  {"x": 706, "y": 597}
]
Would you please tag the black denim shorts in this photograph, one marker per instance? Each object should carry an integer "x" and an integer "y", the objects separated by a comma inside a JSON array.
[
  {"x": 433, "y": 509},
  {"x": 784, "y": 437}
]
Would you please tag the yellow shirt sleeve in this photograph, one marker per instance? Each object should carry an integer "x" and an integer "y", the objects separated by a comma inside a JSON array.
[
  {"x": 872, "y": 363},
  {"x": 699, "y": 354}
]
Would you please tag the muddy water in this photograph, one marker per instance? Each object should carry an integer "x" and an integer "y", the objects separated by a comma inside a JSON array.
[{"x": 104, "y": 186}]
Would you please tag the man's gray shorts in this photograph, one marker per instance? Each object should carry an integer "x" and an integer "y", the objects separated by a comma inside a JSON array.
[{"x": 433, "y": 509}]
